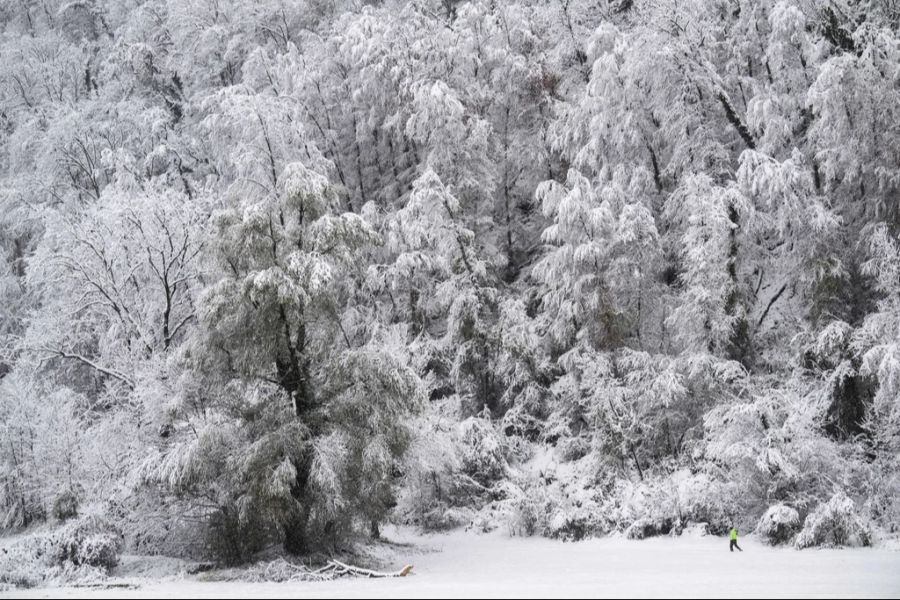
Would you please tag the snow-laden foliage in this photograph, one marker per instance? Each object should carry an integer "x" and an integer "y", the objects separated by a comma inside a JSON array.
[
  {"x": 779, "y": 524},
  {"x": 834, "y": 523},
  {"x": 275, "y": 272},
  {"x": 82, "y": 551}
]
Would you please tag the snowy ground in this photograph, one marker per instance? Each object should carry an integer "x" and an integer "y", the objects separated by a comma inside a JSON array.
[{"x": 494, "y": 566}]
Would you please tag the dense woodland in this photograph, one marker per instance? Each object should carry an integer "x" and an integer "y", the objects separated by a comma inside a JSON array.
[{"x": 278, "y": 272}]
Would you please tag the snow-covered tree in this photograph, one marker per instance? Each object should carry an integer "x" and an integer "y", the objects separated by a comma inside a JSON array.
[{"x": 710, "y": 315}]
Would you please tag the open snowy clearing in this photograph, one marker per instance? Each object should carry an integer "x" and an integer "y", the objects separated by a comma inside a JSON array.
[{"x": 493, "y": 566}]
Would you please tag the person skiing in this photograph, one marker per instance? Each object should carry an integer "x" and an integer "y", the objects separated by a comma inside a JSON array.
[{"x": 733, "y": 536}]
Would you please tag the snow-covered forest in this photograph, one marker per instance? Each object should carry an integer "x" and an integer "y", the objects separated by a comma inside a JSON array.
[{"x": 276, "y": 273}]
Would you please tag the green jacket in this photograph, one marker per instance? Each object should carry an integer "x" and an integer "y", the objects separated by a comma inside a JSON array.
[{"x": 733, "y": 534}]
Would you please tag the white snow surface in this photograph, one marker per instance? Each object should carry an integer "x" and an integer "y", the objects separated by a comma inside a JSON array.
[{"x": 465, "y": 564}]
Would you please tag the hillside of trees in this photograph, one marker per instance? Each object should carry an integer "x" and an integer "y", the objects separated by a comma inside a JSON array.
[{"x": 282, "y": 271}]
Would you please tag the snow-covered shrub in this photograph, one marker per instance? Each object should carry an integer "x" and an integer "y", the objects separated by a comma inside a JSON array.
[
  {"x": 574, "y": 448},
  {"x": 441, "y": 500},
  {"x": 644, "y": 509},
  {"x": 779, "y": 524},
  {"x": 695, "y": 530},
  {"x": 90, "y": 541},
  {"x": 527, "y": 518},
  {"x": 834, "y": 523},
  {"x": 700, "y": 498},
  {"x": 158, "y": 526},
  {"x": 576, "y": 521},
  {"x": 65, "y": 505},
  {"x": 447, "y": 518},
  {"x": 437, "y": 492},
  {"x": 33, "y": 468},
  {"x": 649, "y": 527},
  {"x": 524, "y": 420},
  {"x": 20, "y": 564},
  {"x": 668, "y": 505},
  {"x": 82, "y": 550},
  {"x": 529, "y": 511},
  {"x": 555, "y": 505},
  {"x": 481, "y": 450}
]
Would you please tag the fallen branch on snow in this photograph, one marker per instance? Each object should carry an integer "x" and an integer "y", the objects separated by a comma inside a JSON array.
[
  {"x": 284, "y": 571},
  {"x": 340, "y": 569}
]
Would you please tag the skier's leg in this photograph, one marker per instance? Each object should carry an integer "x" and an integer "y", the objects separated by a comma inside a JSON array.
[{"x": 731, "y": 546}]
